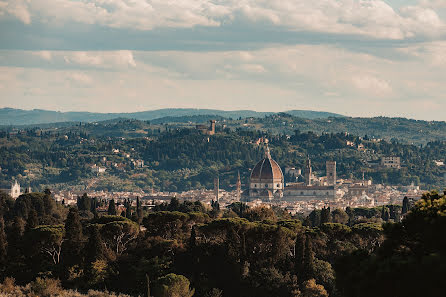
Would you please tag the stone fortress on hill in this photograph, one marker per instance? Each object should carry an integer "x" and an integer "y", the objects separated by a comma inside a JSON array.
[{"x": 267, "y": 183}]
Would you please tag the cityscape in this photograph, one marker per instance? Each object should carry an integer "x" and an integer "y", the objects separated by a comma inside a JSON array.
[{"x": 220, "y": 148}]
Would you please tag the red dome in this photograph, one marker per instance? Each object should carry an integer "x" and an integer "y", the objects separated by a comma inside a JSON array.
[{"x": 267, "y": 170}]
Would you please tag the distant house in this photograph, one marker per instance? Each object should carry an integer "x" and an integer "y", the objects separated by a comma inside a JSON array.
[
  {"x": 97, "y": 169},
  {"x": 391, "y": 162}
]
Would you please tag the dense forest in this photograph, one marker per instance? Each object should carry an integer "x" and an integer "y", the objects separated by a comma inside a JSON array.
[
  {"x": 178, "y": 158},
  {"x": 186, "y": 249}
]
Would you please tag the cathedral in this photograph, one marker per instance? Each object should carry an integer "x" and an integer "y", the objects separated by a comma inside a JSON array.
[{"x": 267, "y": 183}]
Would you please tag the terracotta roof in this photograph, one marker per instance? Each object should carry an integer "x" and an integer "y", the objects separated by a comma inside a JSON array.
[
  {"x": 267, "y": 169},
  {"x": 305, "y": 187}
]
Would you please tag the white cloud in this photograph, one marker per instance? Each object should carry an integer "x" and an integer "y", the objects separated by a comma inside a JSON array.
[
  {"x": 109, "y": 59},
  {"x": 16, "y": 8},
  {"x": 45, "y": 55},
  {"x": 372, "y": 85},
  {"x": 433, "y": 3},
  {"x": 79, "y": 78},
  {"x": 372, "y": 18}
]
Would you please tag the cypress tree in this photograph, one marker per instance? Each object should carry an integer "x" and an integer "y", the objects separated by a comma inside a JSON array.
[
  {"x": 308, "y": 267},
  {"x": 406, "y": 206},
  {"x": 299, "y": 255},
  {"x": 3, "y": 241},
  {"x": 193, "y": 238},
  {"x": 73, "y": 226},
  {"x": 139, "y": 210},
  {"x": 325, "y": 215},
  {"x": 94, "y": 250},
  {"x": 112, "y": 207}
]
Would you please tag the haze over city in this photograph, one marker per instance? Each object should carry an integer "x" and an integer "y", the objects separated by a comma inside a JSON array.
[{"x": 357, "y": 58}]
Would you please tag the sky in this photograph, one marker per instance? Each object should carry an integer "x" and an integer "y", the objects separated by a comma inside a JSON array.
[{"x": 358, "y": 58}]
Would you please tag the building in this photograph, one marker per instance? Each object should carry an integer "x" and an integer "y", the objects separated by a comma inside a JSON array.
[
  {"x": 357, "y": 190},
  {"x": 97, "y": 169},
  {"x": 266, "y": 181},
  {"x": 205, "y": 129},
  {"x": 331, "y": 172},
  {"x": 15, "y": 190},
  {"x": 301, "y": 192},
  {"x": 391, "y": 162},
  {"x": 308, "y": 172},
  {"x": 238, "y": 186}
]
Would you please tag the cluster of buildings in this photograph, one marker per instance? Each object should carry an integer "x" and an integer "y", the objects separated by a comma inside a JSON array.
[{"x": 267, "y": 186}]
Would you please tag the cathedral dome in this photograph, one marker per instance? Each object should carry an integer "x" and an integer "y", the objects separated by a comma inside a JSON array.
[{"x": 267, "y": 170}]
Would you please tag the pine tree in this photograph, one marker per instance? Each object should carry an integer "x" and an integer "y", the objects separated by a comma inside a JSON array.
[{"x": 112, "y": 207}]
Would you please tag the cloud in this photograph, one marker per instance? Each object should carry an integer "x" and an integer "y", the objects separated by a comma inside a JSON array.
[
  {"x": 16, "y": 8},
  {"x": 372, "y": 19},
  {"x": 110, "y": 59},
  {"x": 79, "y": 78},
  {"x": 45, "y": 55},
  {"x": 372, "y": 85}
]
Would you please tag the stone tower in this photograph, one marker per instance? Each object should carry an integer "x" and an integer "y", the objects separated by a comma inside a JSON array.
[
  {"x": 308, "y": 172},
  {"x": 238, "y": 186},
  {"x": 216, "y": 187},
  {"x": 331, "y": 172},
  {"x": 212, "y": 127}
]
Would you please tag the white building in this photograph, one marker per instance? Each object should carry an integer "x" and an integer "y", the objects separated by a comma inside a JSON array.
[{"x": 15, "y": 190}]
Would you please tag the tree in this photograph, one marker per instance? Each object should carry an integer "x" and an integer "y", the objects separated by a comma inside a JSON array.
[
  {"x": 118, "y": 234},
  {"x": 32, "y": 220},
  {"x": 405, "y": 206},
  {"x": 3, "y": 242},
  {"x": 325, "y": 215},
  {"x": 311, "y": 289},
  {"x": 308, "y": 264},
  {"x": 173, "y": 285},
  {"x": 299, "y": 256},
  {"x": 112, "y": 208},
  {"x": 73, "y": 226},
  {"x": 385, "y": 214},
  {"x": 95, "y": 249},
  {"x": 49, "y": 239},
  {"x": 340, "y": 216},
  {"x": 315, "y": 218},
  {"x": 139, "y": 213}
]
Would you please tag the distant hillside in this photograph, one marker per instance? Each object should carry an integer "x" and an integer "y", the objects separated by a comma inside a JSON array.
[{"x": 11, "y": 116}]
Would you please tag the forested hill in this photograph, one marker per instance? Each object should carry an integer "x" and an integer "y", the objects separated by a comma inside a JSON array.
[
  {"x": 178, "y": 159},
  {"x": 400, "y": 129},
  {"x": 11, "y": 116}
]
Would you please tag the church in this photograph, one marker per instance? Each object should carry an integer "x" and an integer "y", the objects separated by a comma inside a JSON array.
[{"x": 267, "y": 183}]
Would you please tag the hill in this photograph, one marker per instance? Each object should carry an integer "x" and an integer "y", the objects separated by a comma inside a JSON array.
[{"x": 11, "y": 116}]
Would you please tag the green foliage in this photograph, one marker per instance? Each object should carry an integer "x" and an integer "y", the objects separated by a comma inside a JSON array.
[
  {"x": 412, "y": 250},
  {"x": 173, "y": 285}
]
